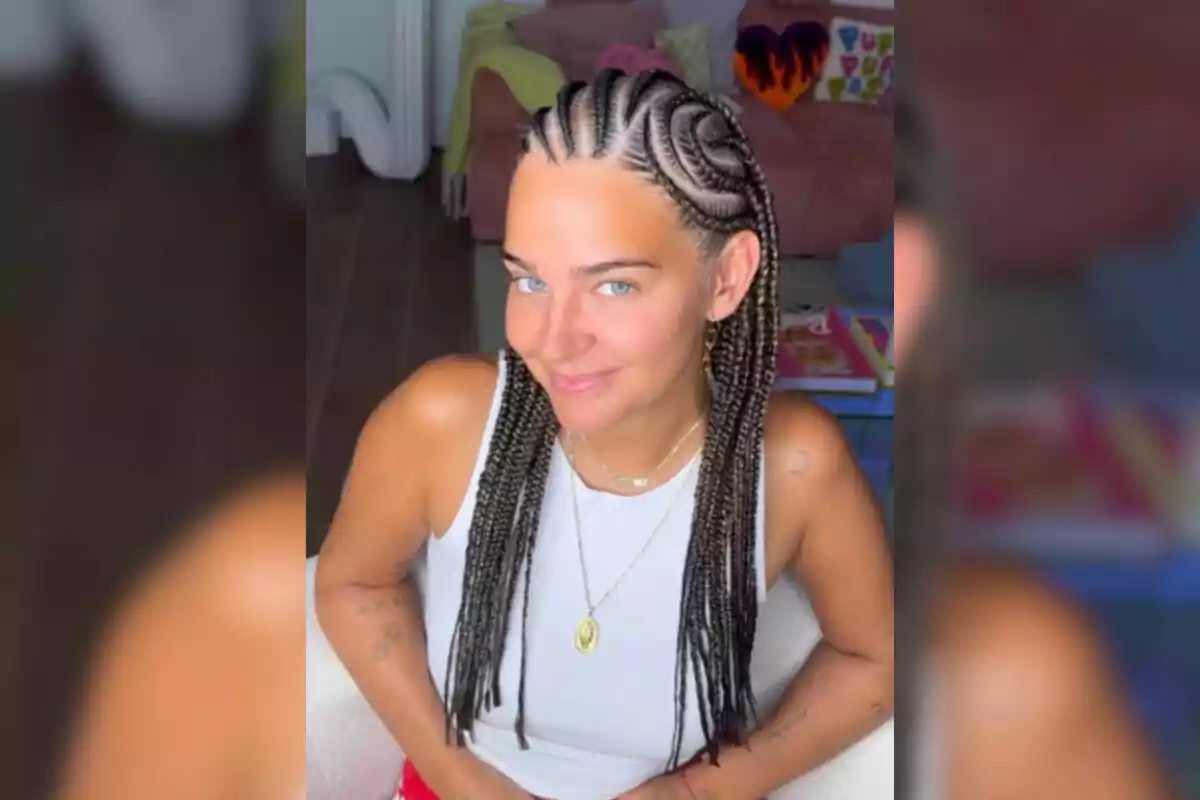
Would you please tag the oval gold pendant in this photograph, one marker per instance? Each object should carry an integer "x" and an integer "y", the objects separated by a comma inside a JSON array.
[{"x": 587, "y": 632}]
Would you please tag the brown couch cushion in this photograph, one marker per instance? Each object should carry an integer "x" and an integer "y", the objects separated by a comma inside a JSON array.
[
  {"x": 576, "y": 35},
  {"x": 829, "y": 168}
]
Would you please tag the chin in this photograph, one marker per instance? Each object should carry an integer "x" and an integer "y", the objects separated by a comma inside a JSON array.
[{"x": 584, "y": 416}]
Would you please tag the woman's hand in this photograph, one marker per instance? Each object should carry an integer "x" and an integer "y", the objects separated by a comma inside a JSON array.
[
  {"x": 487, "y": 782},
  {"x": 665, "y": 787}
]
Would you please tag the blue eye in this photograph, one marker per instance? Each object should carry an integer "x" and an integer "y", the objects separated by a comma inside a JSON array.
[
  {"x": 616, "y": 288},
  {"x": 528, "y": 284}
]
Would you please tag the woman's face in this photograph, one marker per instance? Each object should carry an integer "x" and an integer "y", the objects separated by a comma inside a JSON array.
[{"x": 608, "y": 298}]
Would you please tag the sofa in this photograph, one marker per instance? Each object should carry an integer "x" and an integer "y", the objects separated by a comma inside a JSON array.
[{"x": 829, "y": 165}]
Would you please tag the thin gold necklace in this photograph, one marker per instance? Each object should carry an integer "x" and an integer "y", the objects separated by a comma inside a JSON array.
[
  {"x": 587, "y": 632},
  {"x": 627, "y": 482}
]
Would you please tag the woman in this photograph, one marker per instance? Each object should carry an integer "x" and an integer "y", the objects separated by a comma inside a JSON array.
[{"x": 605, "y": 507}]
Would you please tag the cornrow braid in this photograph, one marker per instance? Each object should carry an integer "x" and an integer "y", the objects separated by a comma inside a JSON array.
[{"x": 692, "y": 148}]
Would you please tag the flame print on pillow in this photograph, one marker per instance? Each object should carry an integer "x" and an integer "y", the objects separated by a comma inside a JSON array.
[{"x": 778, "y": 68}]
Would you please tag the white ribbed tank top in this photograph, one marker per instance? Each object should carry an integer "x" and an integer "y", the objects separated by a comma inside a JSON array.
[{"x": 600, "y": 724}]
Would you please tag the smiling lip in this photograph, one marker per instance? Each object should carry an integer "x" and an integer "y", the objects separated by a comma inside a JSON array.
[{"x": 580, "y": 384}]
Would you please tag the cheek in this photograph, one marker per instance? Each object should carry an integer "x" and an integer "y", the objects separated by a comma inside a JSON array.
[
  {"x": 522, "y": 321},
  {"x": 650, "y": 331},
  {"x": 633, "y": 331}
]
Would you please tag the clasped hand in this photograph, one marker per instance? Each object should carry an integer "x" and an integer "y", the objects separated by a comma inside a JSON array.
[{"x": 664, "y": 787}]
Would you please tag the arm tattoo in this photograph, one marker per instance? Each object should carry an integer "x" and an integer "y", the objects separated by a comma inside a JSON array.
[{"x": 781, "y": 731}]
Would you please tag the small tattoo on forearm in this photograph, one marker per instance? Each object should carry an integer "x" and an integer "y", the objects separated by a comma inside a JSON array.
[
  {"x": 784, "y": 728},
  {"x": 381, "y": 650},
  {"x": 392, "y": 636}
]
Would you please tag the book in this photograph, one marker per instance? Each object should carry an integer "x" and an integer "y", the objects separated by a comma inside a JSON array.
[
  {"x": 1158, "y": 434},
  {"x": 816, "y": 353},
  {"x": 873, "y": 335},
  {"x": 1036, "y": 475}
]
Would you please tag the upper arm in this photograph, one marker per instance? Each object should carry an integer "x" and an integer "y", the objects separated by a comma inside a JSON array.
[
  {"x": 1034, "y": 708},
  {"x": 383, "y": 518},
  {"x": 831, "y": 529}
]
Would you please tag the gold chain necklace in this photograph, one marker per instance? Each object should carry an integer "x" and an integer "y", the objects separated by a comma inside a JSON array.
[
  {"x": 626, "y": 482},
  {"x": 587, "y": 632}
]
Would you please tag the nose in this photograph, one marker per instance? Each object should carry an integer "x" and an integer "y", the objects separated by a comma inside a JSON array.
[{"x": 564, "y": 334}]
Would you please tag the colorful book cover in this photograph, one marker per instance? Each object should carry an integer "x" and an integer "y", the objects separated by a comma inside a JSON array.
[
  {"x": 1036, "y": 474},
  {"x": 1159, "y": 437},
  {"x": 873, "y": 334},
  {"x": 816, "y": 353}
]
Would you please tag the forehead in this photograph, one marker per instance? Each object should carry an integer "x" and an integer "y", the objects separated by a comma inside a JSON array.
[{"x": 587, "y": 210}]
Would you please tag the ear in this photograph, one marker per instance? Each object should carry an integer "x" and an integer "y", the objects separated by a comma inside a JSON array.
[{"x": 735, "y": 270}]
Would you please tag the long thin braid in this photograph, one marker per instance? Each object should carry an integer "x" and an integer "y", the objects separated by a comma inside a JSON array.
[{"x": 694, "y": 150}]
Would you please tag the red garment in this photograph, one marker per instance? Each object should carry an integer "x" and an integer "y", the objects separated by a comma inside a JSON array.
[{"x": 412, "y": 785}]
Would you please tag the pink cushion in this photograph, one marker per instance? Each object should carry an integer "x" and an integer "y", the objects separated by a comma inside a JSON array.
[
  {"x": 632, "y": 59},
  {"x": 575, "y": 36}
]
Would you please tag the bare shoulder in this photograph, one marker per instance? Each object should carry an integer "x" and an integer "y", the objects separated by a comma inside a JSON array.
[
  {"x": 815, "y": 493},
  {"x": 999, "y": 623},
  {"x": 442, "y": 396},
  {"x": 212, "y": 632},
  {"x": 1037, "y": 709},
  {"x": 802, "y": 442},
  {"x": 235, "y": 572},
  {"x": 247, "y": 555},
  {"x": 412, "y": 464}
]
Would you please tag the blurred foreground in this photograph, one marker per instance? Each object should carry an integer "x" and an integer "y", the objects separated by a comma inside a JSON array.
[{"x": 152, "y": 343}]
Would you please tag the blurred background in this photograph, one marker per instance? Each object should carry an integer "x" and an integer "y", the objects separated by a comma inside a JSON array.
[
  {"x": 1069, "y": 197},
  {"x": 151, "y": 311}
]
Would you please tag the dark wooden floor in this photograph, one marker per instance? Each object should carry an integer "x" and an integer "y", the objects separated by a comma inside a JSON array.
[
  {"x": 152, "y": 337},
  {"x": 389, "y": 287}
]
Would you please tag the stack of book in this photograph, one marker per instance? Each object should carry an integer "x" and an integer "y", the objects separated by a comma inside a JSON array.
[
  {"x": 824, "y": 350},
  {"x": 1158, "y": 436},
  {"x": 1060, "y": 470}
]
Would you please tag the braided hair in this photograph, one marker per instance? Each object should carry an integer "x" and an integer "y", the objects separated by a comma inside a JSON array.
[{"x": 692, "y": 148}]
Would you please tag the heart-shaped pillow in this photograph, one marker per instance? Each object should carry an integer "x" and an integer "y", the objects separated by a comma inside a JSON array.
[{"x": 778, "y": 68}]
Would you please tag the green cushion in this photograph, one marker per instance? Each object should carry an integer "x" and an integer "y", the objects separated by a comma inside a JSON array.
[{"x": 689, "y": 47}]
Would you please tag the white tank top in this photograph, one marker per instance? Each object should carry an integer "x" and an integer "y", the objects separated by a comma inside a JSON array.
[{"x": 599, "y": 724}]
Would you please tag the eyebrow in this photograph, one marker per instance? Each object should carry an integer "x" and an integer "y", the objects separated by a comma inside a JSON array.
[{"x": 587, "y": 269}]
